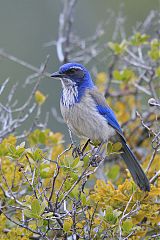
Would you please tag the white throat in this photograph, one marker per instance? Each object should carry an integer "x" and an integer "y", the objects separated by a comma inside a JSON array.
[{"x": 69, "y": 95}]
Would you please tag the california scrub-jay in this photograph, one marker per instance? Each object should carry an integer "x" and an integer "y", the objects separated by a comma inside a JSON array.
[{"x": 87, "y": 114}]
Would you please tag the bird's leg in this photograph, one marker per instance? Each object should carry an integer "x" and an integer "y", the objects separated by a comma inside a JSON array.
[
  {"x": 76, "y": 149},
  {"x": 96, "y": 158},
  {"x": 85, "y": 146},
  {"x": 71, "y": 138},
  {"x": 78, "y": 152}
]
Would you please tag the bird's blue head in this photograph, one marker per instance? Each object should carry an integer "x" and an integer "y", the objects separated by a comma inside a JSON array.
[
  {"x": 75, "y": 80},
  {"x": 74, "y": 74}
]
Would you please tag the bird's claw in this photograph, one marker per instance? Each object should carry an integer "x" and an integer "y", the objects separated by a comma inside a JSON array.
[
  {"x": 77, "y": 152},
  {"x": 95, "y": 160}
]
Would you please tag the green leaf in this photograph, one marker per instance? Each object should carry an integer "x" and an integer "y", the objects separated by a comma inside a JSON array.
[
  {"x": 127, "y": 226},
  {"x": 44, "y": 170},
  {"x": 118, "y": 48},
  {"x": 75, "y": 192},
  {"x": 38, "y": 154},
  {"x": 36, "y": 207},
  {"x": 109, "y": 148},
  {"x": 155, "y": 43},
  {"x": 117, "y": 213},
  {"x": 67, "y": 185},
  {"x": 39, "y": 97},
  {"x": 30, "y": 154},
  {"x": 74, "y": 176},
  {"x": 43, "y": 206},
  {"x": 30, "y": 214},
  {"x": 125, "y": 75},
  {"x": 138, "y": 39},
  {"x": 86, "y": 161},
  {"x": 40, "y": 222},
  {"x": 113, "y": 172},
  {"x": 42, "y": 137},
  {"x": 109, "y": 216},
  {"x": 75, "y": 162},
  {"x": 117, "y": 146},
  {"x": 117, "y": 75},
  {"x": 12, "y": 150},
  {"x": 154, "y": 53},
  {"x": 83, "y": 199},
  {"x": 67, "y": 224},
  {"x": 20, "y": 151}
]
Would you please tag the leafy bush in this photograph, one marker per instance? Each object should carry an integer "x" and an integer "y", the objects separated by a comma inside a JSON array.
[{"x": 47, "y": 193}]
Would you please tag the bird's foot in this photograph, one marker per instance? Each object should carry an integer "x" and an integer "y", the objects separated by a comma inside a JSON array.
[
  {"x": 95, "y": 160},
  {"x": 85, "y": 145},
  {"x": 77, "y": 152},
  {"x": 96, "y": 156}
]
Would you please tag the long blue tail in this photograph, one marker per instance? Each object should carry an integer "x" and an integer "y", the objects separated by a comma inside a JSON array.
[{"x": 134, "y": 167}]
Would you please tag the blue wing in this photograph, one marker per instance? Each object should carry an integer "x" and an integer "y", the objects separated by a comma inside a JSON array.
[
  {"x": 105, "y": 110},
  {"x": 109, "y": 115},
  {"x": 128, "y": 156}
]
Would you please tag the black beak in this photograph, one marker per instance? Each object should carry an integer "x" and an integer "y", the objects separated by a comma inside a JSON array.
[{"x": 57, "y": 75}]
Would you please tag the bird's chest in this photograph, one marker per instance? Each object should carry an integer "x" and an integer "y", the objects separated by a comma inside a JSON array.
[
  {"x": 74, "y": 117},
  {"x": 84, "y": 121}
]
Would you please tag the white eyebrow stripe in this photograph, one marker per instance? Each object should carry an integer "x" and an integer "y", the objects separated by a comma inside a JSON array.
[{"x": 76, "y": 67}]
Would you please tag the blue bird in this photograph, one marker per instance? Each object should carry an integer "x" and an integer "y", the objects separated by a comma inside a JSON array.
[{"x": 87, "y": 115}]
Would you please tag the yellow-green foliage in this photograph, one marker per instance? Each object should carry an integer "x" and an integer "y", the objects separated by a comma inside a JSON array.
[{"x": 111, "y": 209}]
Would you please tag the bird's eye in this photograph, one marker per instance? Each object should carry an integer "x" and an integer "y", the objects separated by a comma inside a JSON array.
[
  {"x": 71, "y": 71},
  {"x": 75, "y": 71}
]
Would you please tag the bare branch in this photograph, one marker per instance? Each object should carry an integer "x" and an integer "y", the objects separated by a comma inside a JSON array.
[{"x": 22, "y": 63}]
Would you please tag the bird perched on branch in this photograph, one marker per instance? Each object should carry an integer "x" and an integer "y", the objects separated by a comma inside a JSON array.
[{"x": 87, "y": 114}]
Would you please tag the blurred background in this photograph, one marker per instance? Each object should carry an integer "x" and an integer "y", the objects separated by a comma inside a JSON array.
[{"x": 26, "y": 26}]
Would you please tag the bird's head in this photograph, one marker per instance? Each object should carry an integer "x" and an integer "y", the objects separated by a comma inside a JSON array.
[{"x": 74, "y": 74}]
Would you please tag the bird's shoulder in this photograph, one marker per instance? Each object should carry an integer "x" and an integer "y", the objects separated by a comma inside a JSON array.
[
  {"x": 97, "y": 97},
  {"x": 104, "y": 109}
]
